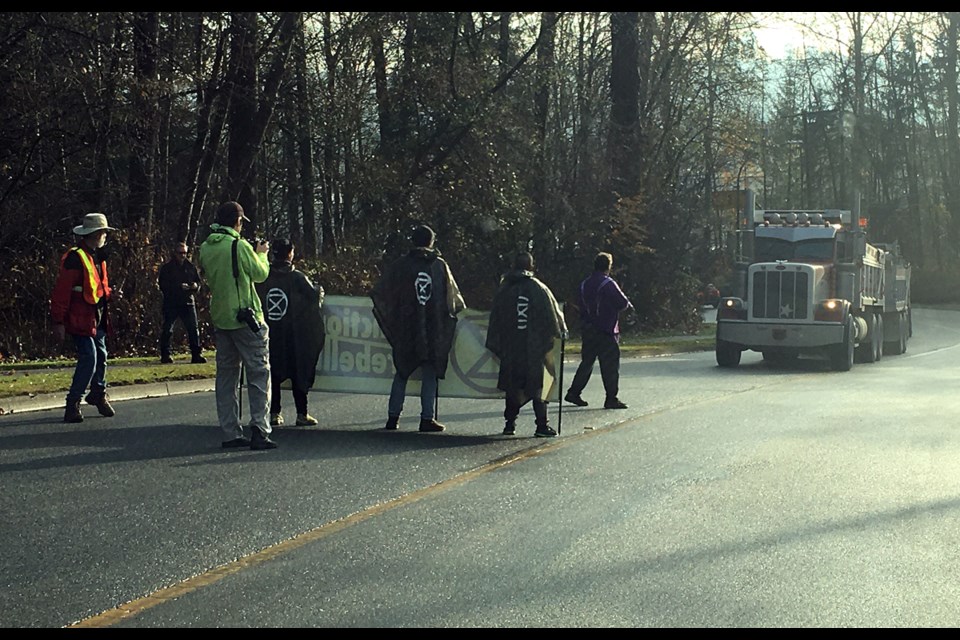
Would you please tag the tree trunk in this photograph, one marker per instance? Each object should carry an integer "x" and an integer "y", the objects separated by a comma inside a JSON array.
[
  {"x": 212, "y": 104},
  {"x": 249, "y": 113},
  {"x": 542, "y": 244},
  {"x": 242, "y": 145},
  {"x": 329, "y": 178},
  {"x": 624, "y": 110},
  {"x": 305, "y": 147},
  {"x": 953, "y": 104},
  {"x": 145, "y": 135}
]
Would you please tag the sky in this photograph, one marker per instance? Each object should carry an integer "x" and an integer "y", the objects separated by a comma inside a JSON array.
[
  {"x": 777, "y": 40},
  {"x": 780, "y": 32}
]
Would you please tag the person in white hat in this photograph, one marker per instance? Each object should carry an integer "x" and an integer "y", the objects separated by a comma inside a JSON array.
[{"x": 78, "y": 308}]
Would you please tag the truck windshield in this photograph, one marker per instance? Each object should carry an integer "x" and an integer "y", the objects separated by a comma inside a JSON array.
[{"x": 814, "y": 249}]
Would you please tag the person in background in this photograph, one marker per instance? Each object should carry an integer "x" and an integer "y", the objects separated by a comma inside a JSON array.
[
  {"x": 416, "y": 303},
  {"x": 78, "y": 307},
  {"x": 179, "y": 282},
  {"x": 292, "y": 307},
  {"x": 525, "y": 320},
  {"x": 232, "y": 267},
  {"x": 601, "y": 300}
]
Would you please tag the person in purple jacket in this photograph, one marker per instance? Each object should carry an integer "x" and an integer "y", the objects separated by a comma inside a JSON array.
[{"x": 601, "y": 301}]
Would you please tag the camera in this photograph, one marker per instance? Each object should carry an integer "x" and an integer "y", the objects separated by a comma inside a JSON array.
[{"x": 250, "y": 318}]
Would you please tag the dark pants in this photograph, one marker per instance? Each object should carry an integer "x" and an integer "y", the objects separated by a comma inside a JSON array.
[
  {"x": 299, "y": 397},
  {"x": 188, "y": 317},
  {"x": 513, "y": 405},
  {"x": 602, "y": 346}
]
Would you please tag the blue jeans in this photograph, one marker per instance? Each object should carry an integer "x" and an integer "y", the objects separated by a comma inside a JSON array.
[
  {"x": 91, "y": 365},
  {"x": 428, "y": 393}
]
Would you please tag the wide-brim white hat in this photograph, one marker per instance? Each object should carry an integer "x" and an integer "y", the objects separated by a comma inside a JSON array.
[{"x": 93, "y": 222}]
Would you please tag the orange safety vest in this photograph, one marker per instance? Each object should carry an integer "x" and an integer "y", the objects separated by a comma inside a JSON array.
[{"x": 95, "y": 285}]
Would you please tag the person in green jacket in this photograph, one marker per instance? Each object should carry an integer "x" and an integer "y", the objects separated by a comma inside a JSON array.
[{"x": 232, "y": 266}]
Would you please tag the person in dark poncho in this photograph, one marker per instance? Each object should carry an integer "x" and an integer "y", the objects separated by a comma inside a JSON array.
[
  {"x": 524, "y": 322},
  {"x": 416, "y": 303},
  {"x": 291, "y": 305}
]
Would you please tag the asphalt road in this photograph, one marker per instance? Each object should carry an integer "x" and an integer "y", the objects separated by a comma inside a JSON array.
[{"x": 758, "y": 496}]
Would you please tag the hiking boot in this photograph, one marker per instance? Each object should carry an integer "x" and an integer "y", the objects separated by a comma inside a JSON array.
[
  {"x": 545, "y": 432},
  {"x": 306, "y": 420},
  {"x": 613, "y": 403},
  {"x": 99, "y": 400},
  {"x": 166, "y": 360},
  {"x": 575, "y": 399},
  {"x": 198, "y": 359},
  {"x": 72, "y": 413},
  {"x": 259, "y": 441},
  {"x": 276, "y": 419},
  {"x": 393, "y": 423},
  {"x": 510, "y": 428},
  {"x": 430, "y": 425}
]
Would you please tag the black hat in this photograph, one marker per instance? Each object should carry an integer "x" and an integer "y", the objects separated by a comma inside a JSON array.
[
  {"x": 422, "y": 236},
  {"x": 281, "y": 247},
  {"x": 229, "y": 212}
]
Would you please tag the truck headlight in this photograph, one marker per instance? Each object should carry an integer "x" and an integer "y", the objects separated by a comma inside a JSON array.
[
  {"x": 731, "y": 309},
  {"x": 831, "y": 310}
]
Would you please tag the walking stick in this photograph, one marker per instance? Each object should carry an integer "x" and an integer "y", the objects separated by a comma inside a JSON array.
[
  {"x": 241, "y": 394},
  {"x": 563, "y": 346}
]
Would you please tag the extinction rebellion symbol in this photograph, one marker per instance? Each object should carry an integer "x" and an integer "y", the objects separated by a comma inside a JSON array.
[{"x": 277, "y": 303}]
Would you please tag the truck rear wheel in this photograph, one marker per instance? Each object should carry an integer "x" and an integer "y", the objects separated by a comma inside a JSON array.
[
  {"x": 728, "y": 354},
  {"x": 905, "y": 331},
  {"x": 841, "y": 354},
  {"x": 898, "y": 346},
  {"x": 878, "y": 335}
]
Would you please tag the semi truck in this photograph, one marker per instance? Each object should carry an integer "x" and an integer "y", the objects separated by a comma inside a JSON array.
[{"x": 808, "y": 282}]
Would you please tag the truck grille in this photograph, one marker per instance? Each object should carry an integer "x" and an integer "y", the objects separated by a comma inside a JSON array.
[{"x": 780, "y": 294}]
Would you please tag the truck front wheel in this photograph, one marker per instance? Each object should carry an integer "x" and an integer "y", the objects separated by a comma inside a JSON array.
[
  {"x": 866, "y": 351},
  {"x": 841, "y": 355},
  {"x": 728, "y": 354}
]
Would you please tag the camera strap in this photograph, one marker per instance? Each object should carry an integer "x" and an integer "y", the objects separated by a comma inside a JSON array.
[{"x": 236, "y": 270}]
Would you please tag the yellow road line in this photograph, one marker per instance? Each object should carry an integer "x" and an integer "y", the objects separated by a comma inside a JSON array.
[{"x": 135, "y": 607}]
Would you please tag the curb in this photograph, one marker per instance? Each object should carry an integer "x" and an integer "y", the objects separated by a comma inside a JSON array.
[{"x": 46, "y": 401}]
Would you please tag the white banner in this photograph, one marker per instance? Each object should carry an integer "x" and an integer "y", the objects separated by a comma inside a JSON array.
[{"x": 357, "y": 358}]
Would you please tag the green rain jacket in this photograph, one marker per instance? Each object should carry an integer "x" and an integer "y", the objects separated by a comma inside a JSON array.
[{"x": 229, "y": 294}]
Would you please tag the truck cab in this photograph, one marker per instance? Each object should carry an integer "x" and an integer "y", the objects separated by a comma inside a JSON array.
[{"x": 811, "y": 284}]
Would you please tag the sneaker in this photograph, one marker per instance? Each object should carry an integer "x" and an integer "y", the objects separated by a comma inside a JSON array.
[
  {"x": 614, "y": 404},
  {"x": 198, "y": 359},
  {"x": 575, "y": 399},
  {"x": 100, "y": 401},
  {"x": 306, "y": 420},
  {"x": 166, "y": 360},
  {"x": 260, "y": 441},
  {"x": 510, "y": 428},
  {"x": 235, "y": 443},
  {"x": 393, "y": 423},
  {"x": 276, "y": 419},
  {"x": 430, "y": 425},
  {"x": 545, "y": 432}
]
